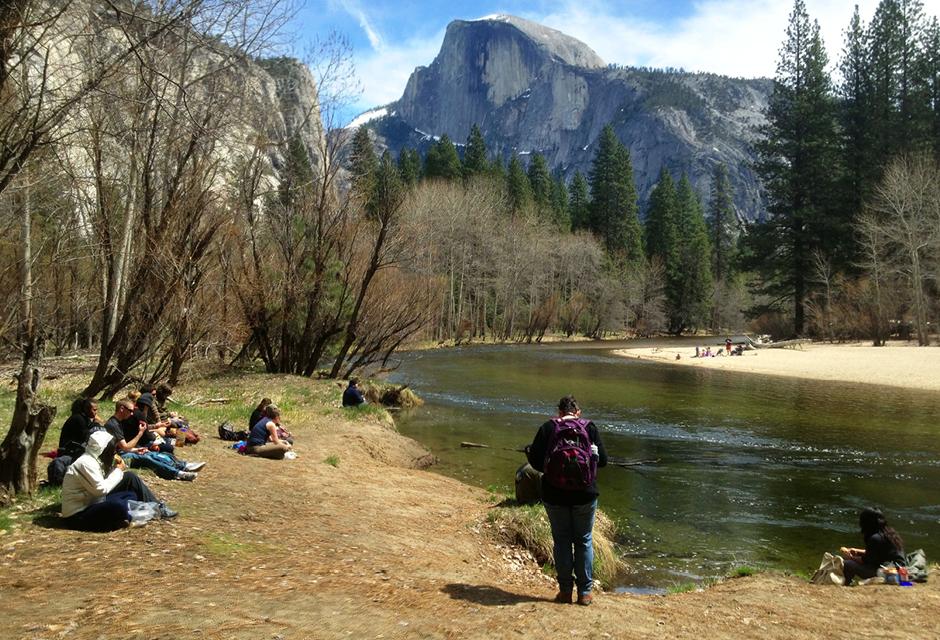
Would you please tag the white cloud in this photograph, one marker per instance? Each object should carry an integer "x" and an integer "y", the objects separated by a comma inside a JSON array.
[
  {"x": 353, "y": 8},
  {"x": 730, "y": 37}
]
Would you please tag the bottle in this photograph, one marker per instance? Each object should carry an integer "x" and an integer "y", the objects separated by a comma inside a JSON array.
[{"x": 902, "y": 574}]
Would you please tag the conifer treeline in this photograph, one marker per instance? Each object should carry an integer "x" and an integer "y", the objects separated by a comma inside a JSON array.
[{"x": 825, "y": 151}]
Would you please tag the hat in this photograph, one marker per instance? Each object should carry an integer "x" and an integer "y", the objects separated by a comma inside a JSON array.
[{"x": 145, "y": 399}]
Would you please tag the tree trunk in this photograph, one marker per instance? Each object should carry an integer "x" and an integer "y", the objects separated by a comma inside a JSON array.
[{"x": 31, "y": 420}]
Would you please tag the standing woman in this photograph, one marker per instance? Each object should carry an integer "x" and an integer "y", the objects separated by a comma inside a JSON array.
[
  {"x": 882, "y": 545},
  {"x": 263, "y": 441},
  {"x": 568, "y": 450}
]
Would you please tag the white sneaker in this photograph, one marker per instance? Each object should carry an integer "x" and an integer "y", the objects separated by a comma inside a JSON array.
[{"x": 194, "y": 466}]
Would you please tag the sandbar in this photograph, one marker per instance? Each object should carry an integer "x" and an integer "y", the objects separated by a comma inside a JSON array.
[{"x": 898, "y": 364}]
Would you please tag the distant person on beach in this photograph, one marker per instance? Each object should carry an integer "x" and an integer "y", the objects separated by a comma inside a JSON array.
[
  {"x": 882, "y": 545},
  {"x": 263, "y": 440},
  {"x": 352, "y": 396},
  {"x": 728, "y": 346},
  {"x": 568, "y": 450}
]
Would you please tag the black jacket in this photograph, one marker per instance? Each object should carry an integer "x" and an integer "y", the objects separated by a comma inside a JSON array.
[{"x": 554, "y": 495}]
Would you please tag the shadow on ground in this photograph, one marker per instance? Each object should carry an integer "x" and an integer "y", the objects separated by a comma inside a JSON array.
[{"x": 487, "y": 595}]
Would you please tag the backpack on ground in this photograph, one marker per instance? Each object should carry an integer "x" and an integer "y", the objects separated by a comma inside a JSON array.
[
  {"x": 917, "y": 566},
  {"x": 228, "y": 432},
  {"x": 569, "y": 464}
]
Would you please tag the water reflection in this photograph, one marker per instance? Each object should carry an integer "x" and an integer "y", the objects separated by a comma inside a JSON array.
[{"x": 751, "y": 469}]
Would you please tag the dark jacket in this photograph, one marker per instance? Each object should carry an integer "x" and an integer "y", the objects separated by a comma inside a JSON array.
[
  {"x": 879, "y": 549},
  {"x": 352, "y": 397},
  {"x": 551, "y": 494},
  {"x": 74, "y": 435}
]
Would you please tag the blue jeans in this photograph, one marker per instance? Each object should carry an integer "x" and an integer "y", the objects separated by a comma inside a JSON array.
[
  {"x": 571, "y": 529},
  {"x": 165, "y": 466}
]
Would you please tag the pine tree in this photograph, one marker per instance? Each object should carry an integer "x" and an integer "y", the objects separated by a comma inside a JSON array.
[
  {"x": 692, "y": 283},
  {"x": 931, "y": 74},
  {"x": 409, "y": 165},
  {"x": 540, "y": 182},
  {"x": 579, "y": 204},
  {"x": 442, "y": 160},
  {"x": 798, "y": 164},
  {"x": 660, "y": 230},
  {"x": 856, "y": 116},
  {"x": 721, "y": 224},
  {"x": 474, "y": 157},
  {"x": 363, "y": 163},
  {"x": 560, "y": 214},
  {"x": 613, "y": 199},
  {"x": 517, "y": 186}
]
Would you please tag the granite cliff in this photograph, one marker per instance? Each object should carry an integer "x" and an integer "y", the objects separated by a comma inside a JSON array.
[{"x": 533, "y": 89}]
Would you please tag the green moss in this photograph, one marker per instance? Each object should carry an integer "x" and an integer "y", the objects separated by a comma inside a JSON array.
[{"x": 221, "y": 545}]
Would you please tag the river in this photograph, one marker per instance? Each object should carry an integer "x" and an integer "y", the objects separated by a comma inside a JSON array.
[{"x": 751, "y": 470}]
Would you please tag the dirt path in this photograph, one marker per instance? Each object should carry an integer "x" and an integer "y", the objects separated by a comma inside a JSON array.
[{"x": 370, "y": 548}]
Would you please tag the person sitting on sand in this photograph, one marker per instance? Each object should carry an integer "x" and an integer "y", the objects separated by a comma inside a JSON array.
[
  {"x": 352, "y": 396},
  {"x": 882, "y": 545},
  {"x": 264, "y": 441},
  {"x": 96, "y": 489}
]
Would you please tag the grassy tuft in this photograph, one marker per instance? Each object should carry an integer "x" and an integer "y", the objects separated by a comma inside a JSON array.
[
  {"x": 743, "y": 571},
  {"x": 682, "y": 587},
  {"x": 332, "y": 460},
  {"x": 527, "y": 526}
]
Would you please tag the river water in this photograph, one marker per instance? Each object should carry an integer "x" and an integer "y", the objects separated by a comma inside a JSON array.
[{"x": 757, "y": 470}]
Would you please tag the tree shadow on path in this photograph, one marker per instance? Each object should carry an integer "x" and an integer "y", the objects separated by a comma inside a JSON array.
[{"x": 487, "y": 595}]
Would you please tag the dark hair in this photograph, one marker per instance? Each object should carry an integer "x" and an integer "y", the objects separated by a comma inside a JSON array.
[
  {"x": 261, "y": 405},
  {"x": 164, "y": 390},
  {"x": 83, "y": 405},
  {"x": 567, "y": 406},
  {"x": 272, "y": 411},
  {"x": 872, "y": 521},
  {"x": 354, "y": 381}
]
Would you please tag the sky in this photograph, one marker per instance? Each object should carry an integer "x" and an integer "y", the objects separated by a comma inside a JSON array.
[{"x": 389, "y": 38}]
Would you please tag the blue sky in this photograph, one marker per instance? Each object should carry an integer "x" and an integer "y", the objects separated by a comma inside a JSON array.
[{"x": 733, "y": 37}]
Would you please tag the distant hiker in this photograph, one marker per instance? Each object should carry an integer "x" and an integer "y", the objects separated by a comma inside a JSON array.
[
  {"x": 258, "y": 413},
  {"x": 264, "y": 441},
  {"x": 352, "y": 396},
  {"x": 96, "y": 491},
  {"x": 568, "y": 450},
  {"x": 882, "y": 545}
]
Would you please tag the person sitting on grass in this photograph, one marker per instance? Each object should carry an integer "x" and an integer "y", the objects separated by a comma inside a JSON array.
[
  {"x": 352, "y": 396},
  {"x": 96, "y": 489},
  {"x": 883, "y": 545},
  {"x": 77, "y": 428},
  {"x": 258, "y": 413},
  {"x": 264, "y": 441},
  {"x": 127, "y": 432}
]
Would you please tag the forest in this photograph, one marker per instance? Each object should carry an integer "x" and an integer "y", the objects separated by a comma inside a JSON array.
[{"x": 157, "y": 205}]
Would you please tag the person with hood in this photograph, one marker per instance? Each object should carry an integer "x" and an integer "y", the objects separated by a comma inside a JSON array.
[
  {"x": 883, "y": 545},
  {"x": 96, "y": 489},
  {"x": 352, "y": 396}
]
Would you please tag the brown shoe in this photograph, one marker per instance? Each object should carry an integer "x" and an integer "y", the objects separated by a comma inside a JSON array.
[
  {"x": 563, "y": 597},
  {"x": 585, "y": 599}
]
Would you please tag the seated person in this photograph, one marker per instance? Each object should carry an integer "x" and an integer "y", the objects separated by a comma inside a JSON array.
[
  {"x": 258, "y": 413},
  {"x": 77, "y": 428},
  {"x": 96, "y": 491},
  {"x": 127, "y": 431},
  {"x": 882, "y": 545},
  {"x": 352, "y": 396},
  {"x": 264, "y": 441}
]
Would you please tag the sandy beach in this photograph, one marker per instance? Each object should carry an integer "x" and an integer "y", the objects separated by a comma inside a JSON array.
[{"x": 899, "y": 365}]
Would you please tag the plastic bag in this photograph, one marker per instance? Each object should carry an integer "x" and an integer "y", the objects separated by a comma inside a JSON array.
[
  {"x": 830, "y": 570},
  {"x": 142, "y": 512}
]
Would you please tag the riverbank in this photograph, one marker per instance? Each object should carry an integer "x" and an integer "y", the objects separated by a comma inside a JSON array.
[
  {"x": 896, "y": 365},
  {"x": 353, "y": 539}
]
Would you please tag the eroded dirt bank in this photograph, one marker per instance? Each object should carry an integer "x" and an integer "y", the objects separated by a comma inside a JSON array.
[{"x": 370, "y": 548}]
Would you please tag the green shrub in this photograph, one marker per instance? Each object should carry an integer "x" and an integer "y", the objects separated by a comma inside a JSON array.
[{"x": 332, "y": 460}]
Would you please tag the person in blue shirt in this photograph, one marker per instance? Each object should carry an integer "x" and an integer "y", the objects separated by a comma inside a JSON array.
[{"x": 352, "y": 396}]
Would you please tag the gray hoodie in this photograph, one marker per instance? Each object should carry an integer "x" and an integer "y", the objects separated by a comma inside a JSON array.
[{"x": 85, "y": 482}]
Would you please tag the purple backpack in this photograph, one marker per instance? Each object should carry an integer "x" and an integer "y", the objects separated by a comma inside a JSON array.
[{"x": 569, "y": 464}]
